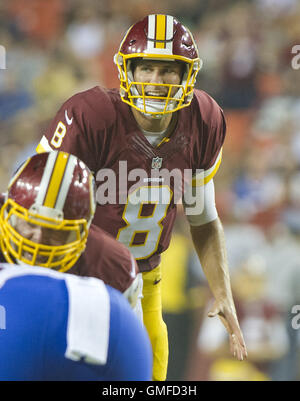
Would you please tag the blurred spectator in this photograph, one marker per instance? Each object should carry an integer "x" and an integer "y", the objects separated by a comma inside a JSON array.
[
  {"x": 36, "y": 20},
  {"x": 86, "y": 34}
]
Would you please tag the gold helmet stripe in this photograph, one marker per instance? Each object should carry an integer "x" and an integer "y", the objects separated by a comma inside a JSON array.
[
  {"x": 160, "y": 36},
  {"x": 56, "y": 179},
  {"x": 66, "y": 182}
]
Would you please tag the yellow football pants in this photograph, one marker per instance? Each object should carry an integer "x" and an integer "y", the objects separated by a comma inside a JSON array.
[{"x": 153, "y": 321}]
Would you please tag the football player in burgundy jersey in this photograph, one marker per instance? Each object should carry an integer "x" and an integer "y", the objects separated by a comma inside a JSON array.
[
  {"x": 155, "y": 123},
  {"x": 57, "y": 190}
]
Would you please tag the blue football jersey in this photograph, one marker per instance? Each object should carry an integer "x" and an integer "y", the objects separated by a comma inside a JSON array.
[{"x": 56, "y": 326}]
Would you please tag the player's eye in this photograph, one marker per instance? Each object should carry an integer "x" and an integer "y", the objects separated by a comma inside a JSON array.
[
  {"x": 146, "y": 68},
  {"x": 171, "y": 70}
]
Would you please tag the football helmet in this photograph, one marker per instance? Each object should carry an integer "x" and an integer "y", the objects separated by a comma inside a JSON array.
[
  {"x": 158, "y": 37},
  {"x": 52, "y": 193}
]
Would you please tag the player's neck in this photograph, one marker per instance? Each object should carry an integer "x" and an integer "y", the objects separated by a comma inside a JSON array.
[{"x": 151, "y": 124}]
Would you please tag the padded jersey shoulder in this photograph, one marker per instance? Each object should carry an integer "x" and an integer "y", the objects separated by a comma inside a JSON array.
[
  {"x": 209, "y": 110},
  {"x": 94, "y": 107}
]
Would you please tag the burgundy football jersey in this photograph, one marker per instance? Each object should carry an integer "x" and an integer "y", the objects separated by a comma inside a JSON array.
[
  {"x": 106, "y": 259},
  {"x": 138, "y": 210}
]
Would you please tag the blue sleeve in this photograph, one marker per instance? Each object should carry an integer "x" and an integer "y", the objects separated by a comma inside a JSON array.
[
  {"x": 130, "y": 354},
  {"x": 33, "y": 305},
  {"x": 33, "y": 345}
]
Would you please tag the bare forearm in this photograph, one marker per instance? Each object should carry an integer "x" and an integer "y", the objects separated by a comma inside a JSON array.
[{"x": 209, "y": 242}]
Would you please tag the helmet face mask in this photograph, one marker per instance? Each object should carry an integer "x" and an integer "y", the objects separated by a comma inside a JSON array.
[
  {"x": 159, "y": 38},
  {"x": 34, "y": 234},
  {"x": 17, "y": 222}
]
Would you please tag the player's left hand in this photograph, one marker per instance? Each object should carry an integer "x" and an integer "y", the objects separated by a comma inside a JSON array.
[{"x": 229, "y": 319}]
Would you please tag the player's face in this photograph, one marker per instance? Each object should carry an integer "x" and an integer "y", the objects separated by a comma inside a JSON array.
[
  {"x": 41, "y": 235},
  {"x": 157, "y": 72}
]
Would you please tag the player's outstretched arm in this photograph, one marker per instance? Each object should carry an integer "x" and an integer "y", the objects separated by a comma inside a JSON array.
[{"x": 209, "y": 242}]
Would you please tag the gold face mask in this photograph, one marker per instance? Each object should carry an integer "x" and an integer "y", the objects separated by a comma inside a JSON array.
[
  {"x": 177, "y": 96},
  {"x": 35, "y": 240}
]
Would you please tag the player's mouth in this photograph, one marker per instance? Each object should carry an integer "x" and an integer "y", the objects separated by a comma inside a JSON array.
[{"x": 156, "y": 96}]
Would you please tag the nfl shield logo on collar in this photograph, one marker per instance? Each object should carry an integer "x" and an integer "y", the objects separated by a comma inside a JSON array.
[{"x": 156, "y": 162}]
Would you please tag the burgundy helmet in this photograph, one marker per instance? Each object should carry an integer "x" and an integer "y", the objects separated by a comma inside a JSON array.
[
  {"x": 2, "y": 199},
  {"x": 55, "y": 192},
  {"x": 158, "y": 37}
]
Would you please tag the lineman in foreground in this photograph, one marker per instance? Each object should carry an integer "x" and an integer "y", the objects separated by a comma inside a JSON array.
[{"x": 55, "y": 325}]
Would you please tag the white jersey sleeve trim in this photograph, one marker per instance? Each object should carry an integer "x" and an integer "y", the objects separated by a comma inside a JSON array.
[
  {"x": 9, "y": 271},
  {"x": 208, "y": 211},
  {"x": 88, "y": 320},
  {"x": 43, "y": 146}
]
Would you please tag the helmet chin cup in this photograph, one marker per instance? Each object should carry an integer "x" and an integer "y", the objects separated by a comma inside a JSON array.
[{"x": 151, "y": 108}]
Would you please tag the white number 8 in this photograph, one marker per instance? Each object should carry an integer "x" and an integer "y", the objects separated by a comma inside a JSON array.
[
  {"x": 151, "y": 226},
  {"x": 59, "y": 135}
]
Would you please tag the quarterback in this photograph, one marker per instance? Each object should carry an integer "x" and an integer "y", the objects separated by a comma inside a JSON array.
[{"x": 155, "y": 121}]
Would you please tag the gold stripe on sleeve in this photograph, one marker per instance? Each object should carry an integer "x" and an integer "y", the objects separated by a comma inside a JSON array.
[{"x": 40, "y": 149}]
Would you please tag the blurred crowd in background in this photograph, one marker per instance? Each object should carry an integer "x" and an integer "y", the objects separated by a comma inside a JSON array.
[{"x": 56, "y": 48}]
